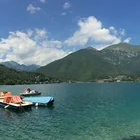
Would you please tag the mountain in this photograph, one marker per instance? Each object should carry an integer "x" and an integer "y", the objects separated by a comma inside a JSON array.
[
  {"x": 124, "y": 47},
  {"x": 124, "y": 56},
  {"x": 90, "y": 64},
  {"x": 15, "y": 65},
  {"x": 83, "y": 65}
]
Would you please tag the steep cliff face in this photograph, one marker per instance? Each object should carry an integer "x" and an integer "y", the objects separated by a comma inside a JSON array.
[{"x": 124, "y": 56}]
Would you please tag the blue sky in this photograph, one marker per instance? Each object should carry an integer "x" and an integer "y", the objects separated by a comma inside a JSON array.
[{"x": 41, "y": 31}]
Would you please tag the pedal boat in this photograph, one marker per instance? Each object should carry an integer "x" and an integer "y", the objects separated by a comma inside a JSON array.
[
  {"x": 28, "y": 92},
  {"x": 14, "y": 102}
]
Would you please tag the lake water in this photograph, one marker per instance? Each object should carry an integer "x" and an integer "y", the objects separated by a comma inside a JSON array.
[{"x": 81, "y": 111}]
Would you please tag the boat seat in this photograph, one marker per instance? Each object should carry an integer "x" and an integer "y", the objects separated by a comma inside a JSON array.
[
  {"x": 16, "y": 99},
  {"x": 7, "y": 99}
]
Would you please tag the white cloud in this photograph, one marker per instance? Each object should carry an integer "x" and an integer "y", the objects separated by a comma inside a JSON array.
[
  {"x": 43, "y": 1},
  {"x": 122, "y": 32},
  {"x": 91, "y": 30},
  {"x": 35, "y": 47},
  {"x": 32, "y": 9},
  {"x": 30, "y": 47},
  {"x": 52, "y": 44},
  {"x": 66, "y": 5},
  {"x": 40, "y": 34},
  {"x": 63, "y": 14},
  {"x": 113, "y": 30},
  {"x": 127, "y": 40}
]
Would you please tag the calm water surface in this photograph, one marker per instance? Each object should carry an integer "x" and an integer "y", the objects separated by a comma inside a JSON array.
[{"x": 82, "y": 111}]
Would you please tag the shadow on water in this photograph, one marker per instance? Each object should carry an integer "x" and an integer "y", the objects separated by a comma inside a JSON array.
[
  {"x": 132, "y": 138},
  {"x": 9, "y": 111},
  {"x": 50, "y": 107}
]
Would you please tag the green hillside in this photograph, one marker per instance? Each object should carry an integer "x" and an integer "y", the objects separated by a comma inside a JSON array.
[
  {"x": 84, "y": 65},
  {"x": 90, "y": 64},
  {"x": 10, "y": 76}
]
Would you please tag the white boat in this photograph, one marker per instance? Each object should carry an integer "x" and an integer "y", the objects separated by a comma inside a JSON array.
[{"x": 29, "y": 92}]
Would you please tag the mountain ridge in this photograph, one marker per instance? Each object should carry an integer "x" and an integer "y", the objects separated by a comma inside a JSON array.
[
  {"x": 90, "y": 64},
  {"x": 20, "y": 67},
  {"x": 124, "y": 47}
]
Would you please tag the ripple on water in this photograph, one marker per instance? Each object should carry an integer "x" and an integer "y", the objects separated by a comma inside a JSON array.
[{"x": 93, "y": 111}]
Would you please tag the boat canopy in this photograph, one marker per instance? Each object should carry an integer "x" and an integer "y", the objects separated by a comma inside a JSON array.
[
  {"x": 8, "y": 98},
  {"x": 42, "y": 100}
]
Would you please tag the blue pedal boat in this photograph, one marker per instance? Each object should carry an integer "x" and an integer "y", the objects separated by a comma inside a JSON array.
[{"x": 40, "y": 101}]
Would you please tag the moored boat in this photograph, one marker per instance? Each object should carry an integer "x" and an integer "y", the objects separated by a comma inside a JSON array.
[
  {"x": 29, "y": 92},
  {"x": 40, "y": 101},
  {"x": 2, "y": 94},
  {"x": 14, "y": 102}
]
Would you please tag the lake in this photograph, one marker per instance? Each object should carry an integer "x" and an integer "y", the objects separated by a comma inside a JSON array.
[{"x": 81, "y": 111}]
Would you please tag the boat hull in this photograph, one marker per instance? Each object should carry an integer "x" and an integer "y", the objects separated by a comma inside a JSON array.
[
  {"x": 15, "y": 106},
  {"x": 44, "y": 104},
  {"x": 30, "y": 94}
]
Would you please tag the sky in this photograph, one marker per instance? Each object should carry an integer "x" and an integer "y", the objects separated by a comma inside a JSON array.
[{"x": 42, "y": 31}]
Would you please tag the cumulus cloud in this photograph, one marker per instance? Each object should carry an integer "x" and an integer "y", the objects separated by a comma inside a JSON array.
[
  {"x": 30, "y": 47},
  {"x": 43, "y": 1},
  {"x": 35, "y": 46},
  {"x": 66, "y": 5},
  {"x": 52, "y": 44},
  {"x": 32, "y": 9},
  {"x": 122, "y": 32},
  {"x": 92, "y": 30},
  {"x": 127, "y": 40},
  {"x": 40, "y": 35},
  {"x": 113, "y": 30}
]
